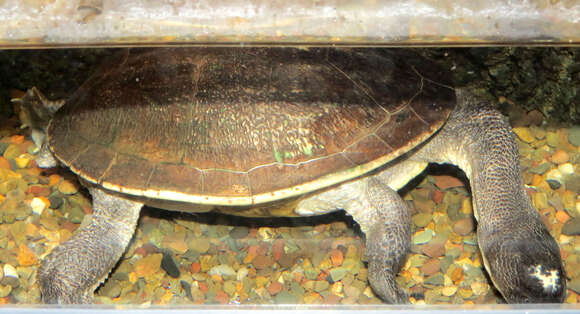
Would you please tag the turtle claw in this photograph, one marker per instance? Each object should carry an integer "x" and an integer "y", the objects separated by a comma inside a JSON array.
[{"x": 384, "y": 284}]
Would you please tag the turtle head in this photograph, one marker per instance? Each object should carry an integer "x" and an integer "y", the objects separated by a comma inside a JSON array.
[
  {"x": 526, "y": 269},
  {"x": 35, "y": 112}
]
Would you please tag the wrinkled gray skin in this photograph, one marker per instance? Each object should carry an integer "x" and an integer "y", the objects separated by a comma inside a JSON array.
[{"x": 521, "y": 257}]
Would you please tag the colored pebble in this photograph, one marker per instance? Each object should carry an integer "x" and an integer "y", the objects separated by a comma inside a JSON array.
[
  {"x": 26, "y": 257},
  {"x": 275, "y": 288},
  {"x": 435, "y": 279},
  {"x": 338, "y": 273},
  {"x": 446, "y": 182},
  {"x": 148, "y": 265},
  {"x": 572, "y": 227},
  {"x": 560, "y": 156},
  {"x": 431, "y": 267},
  {"x": 524, "y": 134},
  {"x": 222, "y": 270},
  {"x": 169, "y": 264},
  {"x": 422, "y": 237},
  {"x": 541, "y": 168},
  {"x": 37, "y": 205},
  {"x": 449, "y": 290},
  {"x": 479, "y": 288},
  {"x": 337, "y": 257},
  {"x": 67, "y": 187},
  {"x": 463, "y": 226},
  {"x": 574, "y": 136},
  {"x": 348, "y": 278}
]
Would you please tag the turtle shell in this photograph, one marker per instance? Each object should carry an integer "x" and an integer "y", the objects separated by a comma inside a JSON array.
[{"x": 242, "y": 126}]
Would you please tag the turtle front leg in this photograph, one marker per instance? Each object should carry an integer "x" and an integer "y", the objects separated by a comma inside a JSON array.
[
  {"x": 386, "y": 221},
  {"x": 74, "y": 269}
]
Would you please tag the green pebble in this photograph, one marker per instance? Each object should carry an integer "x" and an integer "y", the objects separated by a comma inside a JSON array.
[
  {"x": 422, "y": 219},
  {"x": 239, "y": 232},
  {"x": 230, "y": 287},
  {"x": 573, "y": 183},
  {"x": 190, "y": 255},
  {"x": 423, "y": 237},
  {"x": 296, "y": 288},
  {"x": 453, "y": 252},
  {"x": 338, "y": 273},
  {"x": 285, "y": 297},
  {"x": 445, "y": 262},
  {"x": 572, "y": 227},
  {"x": 321, "y": 285},
  {"x": 552, "y": 139},
  {"x": 200, "y": 245},
  {"x": 435, "y": 279},
  {"x": 75, "y": 214},
  {"x": 472, "y": 271},
  {"x": 3, "y": 147},
  {"x": 574, "y": 285},
  {"x": 311, "y": 273},
  {"x": 11, "y": 152},
  {"x": 111, "y": 289},
  {"x": 574, "y": 136},
  {"x": 541, "y": 168},
  {"x": 156, "y": 237},
  {"x": 417, "y": 260}
]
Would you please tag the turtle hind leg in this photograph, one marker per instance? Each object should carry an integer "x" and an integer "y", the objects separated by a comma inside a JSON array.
[
  {"x": 74, "y": 269},
  {"x": 386, "y": 222}
]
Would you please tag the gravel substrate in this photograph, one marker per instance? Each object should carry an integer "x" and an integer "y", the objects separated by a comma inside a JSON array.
[{"x": 209, "y": 259}]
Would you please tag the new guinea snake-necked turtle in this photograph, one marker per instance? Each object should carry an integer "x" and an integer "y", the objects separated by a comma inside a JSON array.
[{"x": 240, "y": 130}]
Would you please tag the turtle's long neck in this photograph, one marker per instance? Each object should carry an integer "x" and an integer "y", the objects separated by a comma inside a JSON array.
[{"x": 479, "y": 141}]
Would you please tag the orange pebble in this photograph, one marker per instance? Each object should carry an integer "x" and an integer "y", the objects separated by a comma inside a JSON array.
[
  {"x": 17, "y": 139},
  {"x": 4, "y": 163},
  {"x": 195, "y": 267},
  {"x": 54, "y": 179},
  {"x": 537, "y": 179},
  {"x": 562, "y": 216},
  {"x": 26, "y": 257},
  {"x": 336, "y": 257}
]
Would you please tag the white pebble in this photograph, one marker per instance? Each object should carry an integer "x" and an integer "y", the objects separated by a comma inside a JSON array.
[
  {"x": 37, "y": 205},
  {"x": 554, "y": 175},
  {"x": 566, "y": 169},
  {"x": 222, "y": 270},
  {"x": 242, "y": 273},
  {"x": 10, "y": 271}
]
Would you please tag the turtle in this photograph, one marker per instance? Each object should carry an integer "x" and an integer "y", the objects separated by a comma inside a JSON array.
[{"x": 275, "y": 131}]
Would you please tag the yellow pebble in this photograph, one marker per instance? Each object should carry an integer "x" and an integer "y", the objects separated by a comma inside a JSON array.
[
  {"x": 449, "y": 290},
  {"x": 447, "y": 280},
  {"x": 479, "y": 288},
  {"x": 466, "y": 206},
  {"x": 336, "y": 289},
  {"x": 261, "y": 281},
  {"x": 524, "y": 134},
  {"x": 414, "y": 271},
  {"x": 22, "y": 161},
  {"x": 133, "y": 277},
  {"x": 465, "y": 293}
]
